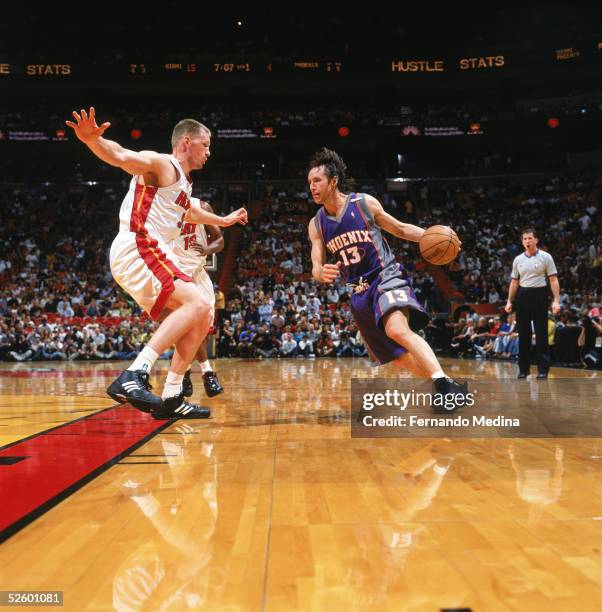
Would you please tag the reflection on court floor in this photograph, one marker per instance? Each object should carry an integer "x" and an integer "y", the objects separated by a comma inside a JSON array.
[{"x": 270, "y": 504}]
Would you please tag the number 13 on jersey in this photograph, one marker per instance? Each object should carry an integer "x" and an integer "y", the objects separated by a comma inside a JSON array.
[
  {"x": 350, "y": 256},
  {"x": 397, "y": 296}
]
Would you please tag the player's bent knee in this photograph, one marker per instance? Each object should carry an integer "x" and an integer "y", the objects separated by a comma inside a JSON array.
[
  {"x": 201, "y": 309},
  {"x": 401, "y": 336}
]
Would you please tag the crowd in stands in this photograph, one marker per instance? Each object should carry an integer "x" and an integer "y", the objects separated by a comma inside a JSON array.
[
  {"x": 58, "y": 300},
  {"x": 57, "y": 295},
  {"x": 489, "y": 218},
  {"x": 572, "y": 337},
  {"x": 374, "y": 111}
]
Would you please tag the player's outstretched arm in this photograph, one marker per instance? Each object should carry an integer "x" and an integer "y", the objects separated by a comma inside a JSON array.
[
  {"x": 197, "y": 214},
  {"x": 133, "y": 162},
  {"x": 322, "y": 272},
  {"x": 390, "y": 224}
]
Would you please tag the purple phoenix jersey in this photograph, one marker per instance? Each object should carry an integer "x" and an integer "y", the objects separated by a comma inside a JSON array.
[{"x": 368, "y": 263}]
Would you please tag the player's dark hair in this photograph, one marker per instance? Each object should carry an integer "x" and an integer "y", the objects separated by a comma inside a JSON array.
[
  {"x": 529, "y": 230},
  {"x": 333, "y": 166}
]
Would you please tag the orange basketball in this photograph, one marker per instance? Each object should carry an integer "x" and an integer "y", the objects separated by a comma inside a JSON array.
[{"x": 439, "y": 245}]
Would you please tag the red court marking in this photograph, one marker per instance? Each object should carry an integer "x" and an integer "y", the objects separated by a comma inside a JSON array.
[{"x": 59, "y": 461}]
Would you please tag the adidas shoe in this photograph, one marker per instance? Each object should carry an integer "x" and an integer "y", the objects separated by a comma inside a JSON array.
[
  {"x": 187, "y": 387},
  {"x": 212, "y": 385},
  {"x": 134, "y": 387},
  {"x": 177, "y": 407}
]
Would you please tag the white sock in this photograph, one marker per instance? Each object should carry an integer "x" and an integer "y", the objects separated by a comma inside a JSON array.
[
  {"x": 206, "y": 366},
  {"x": 145, "y": 360},
  {"x": 438, "y": 374},
  {"x": 173, "y": 385}
]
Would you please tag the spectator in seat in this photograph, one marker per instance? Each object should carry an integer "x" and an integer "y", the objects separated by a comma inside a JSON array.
[
  {"x": 20, "y": 349},
  {"x": 264, "y": 344},
  {"x": 590, "y": 339},
  {"x": 325, "y": 346},
  {"x": 289, "y": 345},
  {"x": 245, "y": 342},
  {"x": 345, "y": 348},
  {"x": 227, "y": 343}
]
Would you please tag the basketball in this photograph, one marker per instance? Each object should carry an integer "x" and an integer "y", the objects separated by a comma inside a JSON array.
[{"x": 439, "y": 245}]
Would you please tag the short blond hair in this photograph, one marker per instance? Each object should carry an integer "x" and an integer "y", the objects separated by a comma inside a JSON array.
[{"x": 187, "y": 127}]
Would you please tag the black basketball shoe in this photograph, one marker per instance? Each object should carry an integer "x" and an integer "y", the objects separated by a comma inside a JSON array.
[
  {"x": 134, "y": 387},
  {"x": 178, "y": 408},
  {"x": 443, "y": 388},
  {"x": 187, "y": 387},
  {"x": 211, "y": 382}
]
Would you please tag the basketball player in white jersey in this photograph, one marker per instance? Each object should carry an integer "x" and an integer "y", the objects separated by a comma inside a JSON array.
[
  {"x": 143, "y": 263},
  {"x": 191, "y": 247}
]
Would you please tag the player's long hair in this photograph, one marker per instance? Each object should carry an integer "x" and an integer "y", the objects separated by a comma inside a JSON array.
[{"x": 333, "y": 166}]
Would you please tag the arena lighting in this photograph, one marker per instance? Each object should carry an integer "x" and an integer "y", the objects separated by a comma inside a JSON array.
[
  {"x": 344, "y": 131},
  {"x": 410, "y": 130},
  {"x": 268, "y": 132},
  {"x": 553, "y": 122},
  {"x": 136, "y": 134},
  {"x": 60, "y": 135}
]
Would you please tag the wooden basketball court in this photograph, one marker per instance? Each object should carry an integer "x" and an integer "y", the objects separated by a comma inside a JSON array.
[{"x": 271, "y": 505}]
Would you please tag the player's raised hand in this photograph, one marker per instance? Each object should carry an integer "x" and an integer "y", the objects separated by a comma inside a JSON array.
[
  {"x": 85, "y": 126},
  {"x": 330, "y": 272},
  {"x": 238, "y": 216}
]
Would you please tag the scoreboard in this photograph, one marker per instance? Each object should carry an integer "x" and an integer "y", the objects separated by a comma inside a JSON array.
[
  {"x": 486, "y": 61},
  {"x": 137, "y": 67}
]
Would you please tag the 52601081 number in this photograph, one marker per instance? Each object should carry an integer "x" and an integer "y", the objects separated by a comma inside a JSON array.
[{"x": 31, "y": 598}]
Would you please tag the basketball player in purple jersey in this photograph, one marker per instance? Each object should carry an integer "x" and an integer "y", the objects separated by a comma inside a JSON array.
[{"x": 349, "y": 227}]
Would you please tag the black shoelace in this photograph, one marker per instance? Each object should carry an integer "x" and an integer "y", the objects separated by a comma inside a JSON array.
[{"x": 144, "y": 379}]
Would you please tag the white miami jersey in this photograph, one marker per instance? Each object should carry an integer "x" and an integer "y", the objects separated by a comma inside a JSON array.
[
  {"x": 190, "y": 234},
  {"x": 156, "y": 213}
]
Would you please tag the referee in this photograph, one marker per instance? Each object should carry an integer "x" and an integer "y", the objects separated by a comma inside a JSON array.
[{"x": 529, "y": 273}]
